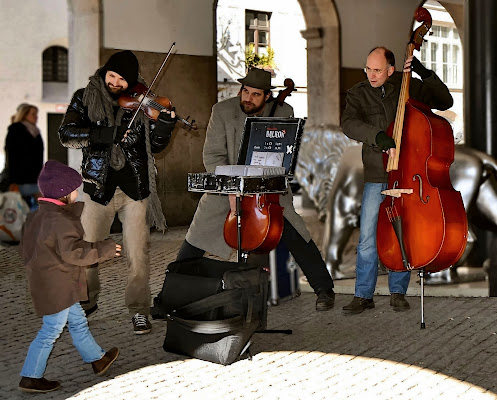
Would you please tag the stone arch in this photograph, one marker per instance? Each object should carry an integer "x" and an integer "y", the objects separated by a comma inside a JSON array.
[{"x": 323, "y": 62}]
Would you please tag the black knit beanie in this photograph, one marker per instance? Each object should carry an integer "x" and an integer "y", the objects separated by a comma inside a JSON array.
[{"x": 125, "y": 64}]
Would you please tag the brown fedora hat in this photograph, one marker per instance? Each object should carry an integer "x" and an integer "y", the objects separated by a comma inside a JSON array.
[{"x": 258, "y": 79}]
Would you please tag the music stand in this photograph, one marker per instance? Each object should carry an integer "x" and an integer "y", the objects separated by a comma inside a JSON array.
[{"x": 270, "y": 142}]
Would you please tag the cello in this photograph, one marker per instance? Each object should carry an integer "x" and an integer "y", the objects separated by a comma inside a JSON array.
[
  {"x": 422, "y": 223},
  {"x": 261, "y": 223}
]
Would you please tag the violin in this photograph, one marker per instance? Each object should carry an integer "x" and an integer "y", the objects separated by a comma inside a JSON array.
[{"x": 140, "y": 97}]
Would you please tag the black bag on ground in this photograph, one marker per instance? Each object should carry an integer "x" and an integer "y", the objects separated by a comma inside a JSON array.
[
  {"x": 4, "y": 180},
  {"x": 213, "y": 308}
]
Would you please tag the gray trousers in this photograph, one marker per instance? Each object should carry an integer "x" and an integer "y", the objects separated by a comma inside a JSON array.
[{"x": 97, "y": 220}]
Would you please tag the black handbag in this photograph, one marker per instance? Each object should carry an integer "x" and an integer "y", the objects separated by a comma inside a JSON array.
[
  {"x": 213, "y": 308},
  {"x": 4, "y": 180}
]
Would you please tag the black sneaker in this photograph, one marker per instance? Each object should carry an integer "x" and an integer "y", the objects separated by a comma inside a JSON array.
[
  {"x": 357, "y": 306},
  {"x": 141, "y": 324},
  {"x": 325, "y": 300}
]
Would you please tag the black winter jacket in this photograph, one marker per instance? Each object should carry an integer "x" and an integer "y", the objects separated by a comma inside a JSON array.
[
  {"x": 74, "y": 133},
  {"x": 24, "y": 154},
  {"x": 370, "y": 110}
]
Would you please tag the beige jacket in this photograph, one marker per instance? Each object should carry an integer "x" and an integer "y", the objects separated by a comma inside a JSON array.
[{"x": 222, "y": 142}]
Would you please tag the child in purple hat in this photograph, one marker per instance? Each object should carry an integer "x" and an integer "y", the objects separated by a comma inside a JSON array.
[{"x": 56, "y": 256}]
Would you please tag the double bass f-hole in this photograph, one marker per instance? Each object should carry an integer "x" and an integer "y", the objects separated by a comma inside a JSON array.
[{"x": 421, "y": 189}]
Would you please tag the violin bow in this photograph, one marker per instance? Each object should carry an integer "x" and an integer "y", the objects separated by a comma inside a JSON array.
[{"x": 150, "y": 87}]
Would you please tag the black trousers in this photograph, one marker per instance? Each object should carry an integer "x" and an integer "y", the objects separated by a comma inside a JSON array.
[{"x": 306, "y": 255}]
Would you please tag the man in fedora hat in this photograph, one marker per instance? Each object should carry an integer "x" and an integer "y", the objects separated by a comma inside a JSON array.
[{"x": 224, "y": 134}]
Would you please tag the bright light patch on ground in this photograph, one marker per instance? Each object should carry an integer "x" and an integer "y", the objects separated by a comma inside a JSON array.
[{"x": 285, "y": 375}]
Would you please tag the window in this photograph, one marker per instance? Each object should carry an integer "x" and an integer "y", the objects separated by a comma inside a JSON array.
[
  {"x": 442, "y": 54},
  {"x": 55, "y": 65},
  {"x": 455, "y": 60},
  {"x": 440, "y": 31},
  {"x": 434, "y": 47},
  {"x": 257, "y": 30},
  {"x": 445, "y": 59}
]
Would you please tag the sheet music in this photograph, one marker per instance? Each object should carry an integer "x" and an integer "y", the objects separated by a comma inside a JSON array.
[{"x": 269, "y": 159}]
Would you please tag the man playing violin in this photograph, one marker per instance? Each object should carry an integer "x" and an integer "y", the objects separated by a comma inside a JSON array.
[
  {"x": 118, "y": 172},
  {"x": 223, "y": 138},
  {"x": 371, "y": 106}
]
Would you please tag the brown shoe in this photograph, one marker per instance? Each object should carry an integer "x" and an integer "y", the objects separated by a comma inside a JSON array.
[
  {"x": 101, "y": 366},
  {"x": 325, "y": 300},
  {"x": 398, "y": 302},
  {"x": 37, "y": 385},
  {"x": 357, "y": 306}
]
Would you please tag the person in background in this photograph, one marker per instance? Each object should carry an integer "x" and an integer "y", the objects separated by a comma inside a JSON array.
[
  {"x": 24, "y": 153},
  {"x": 56, "y": 257}
]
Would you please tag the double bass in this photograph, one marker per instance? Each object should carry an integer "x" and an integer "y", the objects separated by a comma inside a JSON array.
[{"x": 422, "y": 223}]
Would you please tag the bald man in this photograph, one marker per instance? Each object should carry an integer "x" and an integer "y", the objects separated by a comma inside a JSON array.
[{"x": 371, "y": 106}]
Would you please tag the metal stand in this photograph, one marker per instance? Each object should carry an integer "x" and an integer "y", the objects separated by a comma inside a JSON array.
[
  {"x": 239, "y": 226},
  {"x": 243, "y": 257},
  {"x": 273, "y": 277},
  {"x": 422, "y": 279}
]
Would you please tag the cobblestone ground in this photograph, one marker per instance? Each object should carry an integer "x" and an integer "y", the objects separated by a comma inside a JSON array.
[{"x": 375, "y": 355}]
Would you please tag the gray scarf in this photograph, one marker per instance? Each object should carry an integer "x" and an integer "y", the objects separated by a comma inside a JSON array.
[{"x": 100, "y": 106}]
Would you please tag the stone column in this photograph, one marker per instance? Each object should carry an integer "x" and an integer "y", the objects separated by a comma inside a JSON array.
[
  {"x": 315, "y": 92},
  {"x": 84, "y": 51},
  {"x": 480, "y": 91},
  {"x": 323, "y": 76}
]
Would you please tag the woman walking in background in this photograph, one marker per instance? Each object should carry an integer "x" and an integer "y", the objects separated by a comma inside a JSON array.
[{"x": 24, "y": 153}]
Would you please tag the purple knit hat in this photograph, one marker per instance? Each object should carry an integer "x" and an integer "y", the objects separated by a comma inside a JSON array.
[{"x": 57, "y": 180}]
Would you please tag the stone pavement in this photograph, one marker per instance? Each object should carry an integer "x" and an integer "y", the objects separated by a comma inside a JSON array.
[{"x": 375, "y": 355}]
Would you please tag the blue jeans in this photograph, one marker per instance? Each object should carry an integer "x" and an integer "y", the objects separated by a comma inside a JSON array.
[
  {"x": 41, "y": 347},
  {"x": 367, "y": 255}
]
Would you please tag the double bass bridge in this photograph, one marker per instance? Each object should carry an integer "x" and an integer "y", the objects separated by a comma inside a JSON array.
[{"x": 396, "y": 192}]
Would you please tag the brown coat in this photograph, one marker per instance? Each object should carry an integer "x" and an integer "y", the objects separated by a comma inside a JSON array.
[
  {"x": 56, "y": 256},
  {"x": 223, "y": 137}
]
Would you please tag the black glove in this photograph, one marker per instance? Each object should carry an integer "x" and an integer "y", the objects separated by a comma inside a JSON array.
[
  {"x": 166, "y": 117},
  {"x": 102, "y": 135},
  {"x": 165, "y": 125},
  {"x": 420, "y": 69},
  {"x": 383, "y": 141}
]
